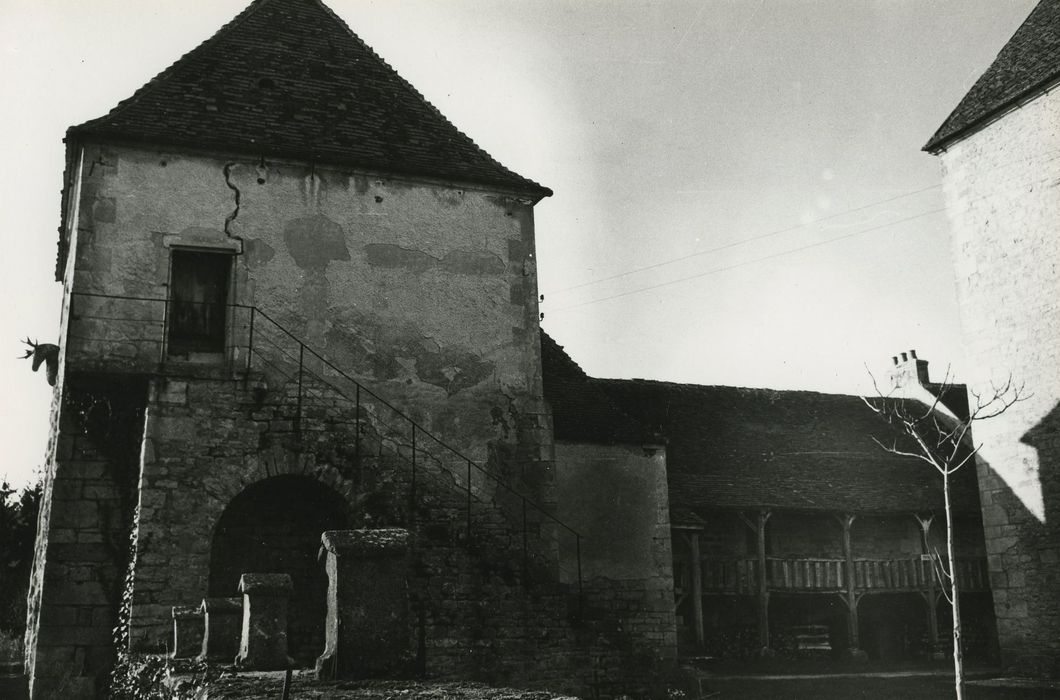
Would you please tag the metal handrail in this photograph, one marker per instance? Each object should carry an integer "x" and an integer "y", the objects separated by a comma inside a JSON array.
[{"x": 417, "y": 428}]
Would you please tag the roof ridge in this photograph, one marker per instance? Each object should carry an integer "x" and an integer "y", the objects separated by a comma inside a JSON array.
[
  {"x": 1024, "y": 67},
  {"x": 207, "y": 99},
  {"x": 437, "y": 112},
  {"x": 134, "y": 98},
  {"x": 564, "y": 356},
  {"x": 689, "y": 385}
]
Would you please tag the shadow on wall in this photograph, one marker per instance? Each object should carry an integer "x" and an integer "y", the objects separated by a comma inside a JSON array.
[
  {"x": 1045, "y": 439},
  {"x": 1024, "y": 552}
]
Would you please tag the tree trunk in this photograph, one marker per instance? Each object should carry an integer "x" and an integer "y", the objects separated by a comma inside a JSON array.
[{"x": 955, "y": 601}]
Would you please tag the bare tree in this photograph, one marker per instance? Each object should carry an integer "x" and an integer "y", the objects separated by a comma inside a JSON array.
[{"x": 944, "y": 440}]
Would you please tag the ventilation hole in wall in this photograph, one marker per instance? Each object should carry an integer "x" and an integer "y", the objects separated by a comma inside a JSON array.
[
  {"x": 162, "y": 163},
  {"x": 261, "y": 181},
  {"x": 378, "y": 199},
  {"x": 266, "y": 83}
]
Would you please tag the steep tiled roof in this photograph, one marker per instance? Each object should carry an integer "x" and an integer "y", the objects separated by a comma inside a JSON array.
[
  {"x": 1028, "y": 62},
  {"x": 287, "y": 78},
  {"x": 730, "y": 447},
  {"x": 581, "y": 411}
]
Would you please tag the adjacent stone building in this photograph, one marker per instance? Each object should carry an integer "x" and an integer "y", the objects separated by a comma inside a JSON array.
[
  {"x": 297, "y": 299},
  {"x": 792, "y": 530},
  {"x": 1000, "y": 173}
]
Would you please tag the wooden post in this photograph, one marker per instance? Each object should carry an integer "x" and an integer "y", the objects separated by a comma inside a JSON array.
[
  {"x": 695, "y": 564},
  {"x": 931, "y": 592},
  {"x": 853, "y": 635},
  {"x": 763, "y": 583}
]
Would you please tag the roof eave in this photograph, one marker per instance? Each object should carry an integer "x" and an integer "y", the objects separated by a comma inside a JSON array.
[
  {"x": 942, "y": 140},
  {"x": 517, "y": 185}
]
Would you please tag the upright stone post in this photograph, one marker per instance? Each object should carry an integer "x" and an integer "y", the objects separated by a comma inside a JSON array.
[
  {"x": 263, "y": 644},
  {"x": 367, "y": 629},
  {"x": 222, "y": 622},
  {"x": 188, "y": 631}
]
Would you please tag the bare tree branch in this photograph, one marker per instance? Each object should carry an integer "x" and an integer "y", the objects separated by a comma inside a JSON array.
[
  {"x": 901, "y": 453},
  {"x": 947, "y": 449}
]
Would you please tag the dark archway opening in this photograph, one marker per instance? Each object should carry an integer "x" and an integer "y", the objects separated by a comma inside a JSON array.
[
  {"x": 274, "y": 526},
  {"x": 894, "y": 626},
  {"x": 978, "y": 626}
]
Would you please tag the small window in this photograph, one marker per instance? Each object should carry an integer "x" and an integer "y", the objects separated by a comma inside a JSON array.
[{"x": 198, "y": 297}]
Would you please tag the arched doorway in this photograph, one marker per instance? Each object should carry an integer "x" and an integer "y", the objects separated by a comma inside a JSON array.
[{"x": 274, "y": 526}]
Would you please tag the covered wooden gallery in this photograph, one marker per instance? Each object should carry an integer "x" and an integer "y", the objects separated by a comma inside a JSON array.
[{"x": 793, "y": 531}]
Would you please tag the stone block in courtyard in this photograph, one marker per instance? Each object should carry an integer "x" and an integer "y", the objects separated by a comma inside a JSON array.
[
  {"x": 367, "y": 629},
  {"x": 188, "y": 631},
  {"x": 263, "y": 641},
  {"x": 223, "y": 625}
]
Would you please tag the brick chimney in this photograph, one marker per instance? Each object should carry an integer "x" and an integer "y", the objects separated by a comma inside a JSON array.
[{"x": 908, "y": 371}]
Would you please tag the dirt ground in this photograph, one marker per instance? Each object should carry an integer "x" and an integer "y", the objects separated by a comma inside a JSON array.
[
  {"x": 876, "y": 687},
  {"x": 268, "y": 686},
  {"x": 868, "y": 688}
]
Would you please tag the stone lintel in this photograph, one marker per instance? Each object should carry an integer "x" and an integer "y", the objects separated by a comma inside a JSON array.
[
  {"x": 378, "y": 542},
  {"x": 187, "y": 612},
  {"x": 266, "y": 585},
  {"x": 222, "y": 606}
]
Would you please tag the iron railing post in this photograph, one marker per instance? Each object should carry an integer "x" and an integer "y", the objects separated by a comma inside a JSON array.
[
  {"x": 250, "y": 340},
  {"x": 165, "y": 333},
  {"x": 468, "y": 489},
  {"x": 357, "y": 430},
  {"x": 578, "y": 554},
  {"x": 412, "y": 493},
  {"x": 301, "y": 364},
  {"x": 525, "y": 566},
  {"x": 286, "y": 694}
]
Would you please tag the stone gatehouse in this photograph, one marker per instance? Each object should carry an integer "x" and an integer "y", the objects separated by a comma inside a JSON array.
[{"x": 298, "y": 299}]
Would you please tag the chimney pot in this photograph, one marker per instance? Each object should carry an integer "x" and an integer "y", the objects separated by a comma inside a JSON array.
[
  {"x": 905, "y": 357},
  {"x": 912, "y": 354},
  {"x": 894, "y": 359}
]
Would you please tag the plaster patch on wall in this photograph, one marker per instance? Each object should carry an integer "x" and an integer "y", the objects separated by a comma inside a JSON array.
[
  {"x": 396, "y": 257},
  {"x": 464, "y": 262},
  {"x": 452, "y": 198},
  {"x": 458, "y": 262},
  {"x": 360, "y": 184},
  {"x": 104, "y": 210},
  {"x": 258, "y": 253},
  {"x": 314, "y": 241},
  {"x": 409, "y": 354},
  {"x": 452, "y": 370}
]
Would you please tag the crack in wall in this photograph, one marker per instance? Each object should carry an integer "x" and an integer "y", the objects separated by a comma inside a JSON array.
[{"x": 235, "y": 212}]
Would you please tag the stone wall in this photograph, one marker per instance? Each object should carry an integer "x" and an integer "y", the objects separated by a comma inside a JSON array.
[
  {"x": 83, "y": 534},
  {"x": 616, "y": 497},
  {"x": 425, "y": 291},
  {"x": 1002, "y": 199},
  {"x": 483, "y": 606}
]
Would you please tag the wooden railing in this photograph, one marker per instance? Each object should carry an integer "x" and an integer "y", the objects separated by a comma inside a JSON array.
[{"x": 797, "y": 574}]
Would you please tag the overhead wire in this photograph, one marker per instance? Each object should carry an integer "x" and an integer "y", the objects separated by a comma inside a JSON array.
[
  {"x": 1046, "y": 156},
  {"x": 742, "y": 241},
  {"x": 805, "y": 247},
  {"x": 748, "y": 262}
]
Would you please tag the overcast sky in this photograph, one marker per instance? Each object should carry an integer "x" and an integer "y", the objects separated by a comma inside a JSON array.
[{"x": 740, "y": 199}]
